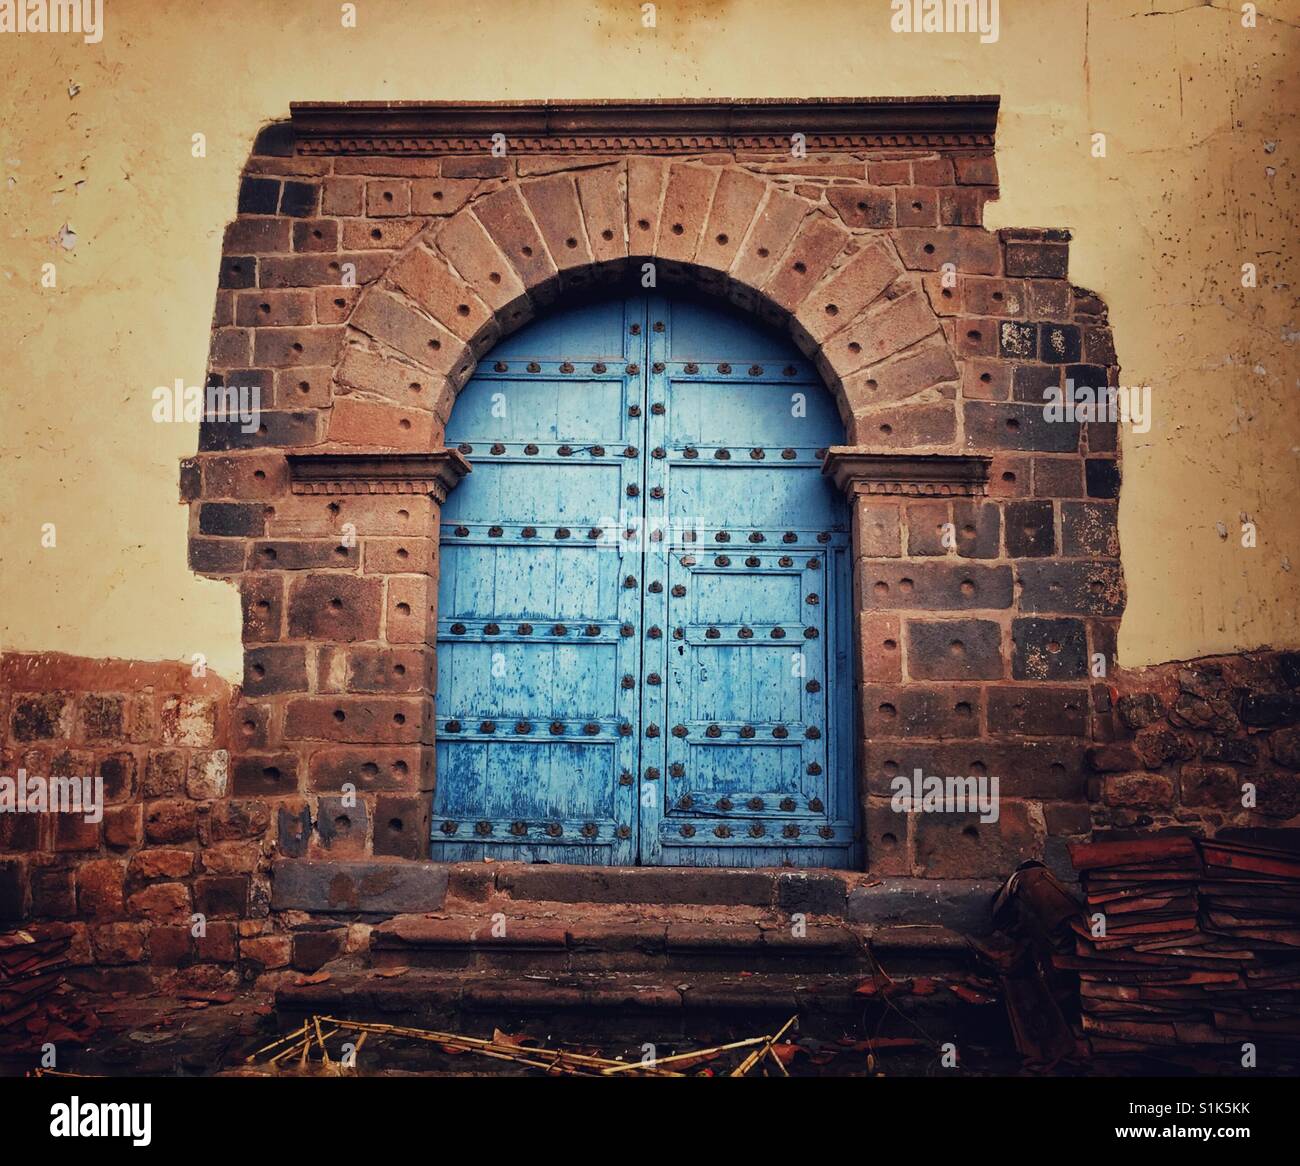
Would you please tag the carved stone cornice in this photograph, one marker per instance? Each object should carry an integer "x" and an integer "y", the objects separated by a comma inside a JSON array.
[
  {"x": 434, "y": 473},
  {"x": 641, "y": 127},
  {"x": 857, "y": 471}
]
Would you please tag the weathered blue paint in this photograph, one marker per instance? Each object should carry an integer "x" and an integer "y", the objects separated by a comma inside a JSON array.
[{"x": 643, "y": 637}]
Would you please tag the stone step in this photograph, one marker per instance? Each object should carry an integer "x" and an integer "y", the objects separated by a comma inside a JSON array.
[
  {"x": 638, "y": 1003},
  {"x": 596, "y": 944}
]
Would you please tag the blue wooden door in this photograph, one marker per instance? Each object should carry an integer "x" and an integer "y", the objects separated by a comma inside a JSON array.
[{"x": 643, "y": 642}]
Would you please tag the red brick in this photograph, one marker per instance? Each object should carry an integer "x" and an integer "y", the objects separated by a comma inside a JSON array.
[
  {"x": 646, "y": 180},
  {"x": 735, "y": 202},
  {"x": 342, "y": 196},
  {"x": 476, "y": 257},
  {"x": 687, "y": 198},
  {"x": 809, "y": 257},
  {"x": 506, "y": 219},
  {"x": 554, "y": 205},
  {"x": 379, "y": 234},
  {"x": 100, "y": 887},
  {"x": 335, "y": 608},
  {"x": 774, "y": 227},
  {"x": 436, "y": 288},
  {"x": 388, "y": 198},
  {"x": 403, "y": 327},
  {"x": 604, "y": 209},
  {"x": 441, "y": 196},
  {"x": 835, "y": 303},
  {"x": 378, "y": 720},
  {"x": 379, "y": 426}
]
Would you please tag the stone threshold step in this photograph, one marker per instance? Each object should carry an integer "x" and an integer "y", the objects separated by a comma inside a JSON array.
[
  {"x": 373, "y": 889},
  {"x": 429, "y": 994}
]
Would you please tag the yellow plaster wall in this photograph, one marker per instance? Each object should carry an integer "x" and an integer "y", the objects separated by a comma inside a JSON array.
[{"x": 1198, "y": 178}]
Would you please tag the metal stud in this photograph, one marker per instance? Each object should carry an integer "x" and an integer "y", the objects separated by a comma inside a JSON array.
[
  {"x": 635, "y": 329},
  {"x": 790, "y": 831},
  {"x": 757, "y": 536},
  {"x": 678, "y": 634},
  {"x": 810, "y": 633},
  {"x": 559, "y": 630},
  {"x": 678, "y": 591},
  {"x": 815, "y": 805},
  {"x": 722, "y": 561},
  {"x": 595, "y": 532},
  {"x": 785, "y": 561},
  {"x": 518, "y": 829},
  {"x": 712, "y": 634},
  {"x": 554, "y": 829},
  {"x": 788, "y": 454},
  {"x": 746, "y": 633},
  {"x": 629, "y": 581},
  {"x": 655, "y": 633},
  {"x": 756, "y": 370},
  {"x": 562, "y": 532},
  {"x": 824, "y": 536},
  {"x": 591, "y": 728},
  {"x": 566, "y": 367},
  {"x": 722, "y": 831},
  {"x": 588, "y": 830},
  {"x": 482, "y": 827},
  {"x": 498, "y": 448},
  {"x": 789, "y": 371},
  {"x": 722, "y": 537},
  {"x": 826, "y": 832},
  {"x": 690, "y": 453},
  {"x": 814, "y": 564},
  {"x": 713, "y": 731},
  {"x": 633, "y": 369},
  {"x": 724, "y": 368},
  {"x": 557, "y": 728},
  {"x": 679, "y": 731},
  {"x": 465, "y": 448},
  {"x": 495, "y": 532},
  {"x": 654, "y": 679},
  {"x": 787, "y": 805},
  {"x": 598, "y": 367},
  {"x": 756, "y": 830},
  {"x": 755, "y": 804},
  {"x": 757, "y": 454},
  {"x": 657, "y": 409},
  {"x": 525, "y": 629},
  {"x": 722, "y": 455},
  {"x": 630, "y": 451},
  {"x": 597, "y": 451},
  {"x": 687, "y": 560},
  {"x": 523, "y": 727},
  {"x": 812, "y": 733},
  {"x": 677, "y": 769},
  {"x": 633, "y": 490},
  {"x": 450, "y": 827},
  {"x": 688, "y": 831},
  {"x": 659, "y": 452},
  {"x": 533, "y": 366},
  {"x": 747, "y": 731},
  {"x": 529, "y": 532},
  {"x": 626, "y": 630},
  {"x": 814, "y": 770},
  {"x": 624, "y": 832},
  {"x": 652, "y": 731},
  {"x": 658, "y": 366},
  {"x": 655, "y": 588},
  {"x": 813, "y": 686},
  {"x": 565, "y": 451},
  {"x": 778, "y": 633},
  {"x": 634, "y": 410},
  {"x": 453, "y": 726},
  {"x": 487, "y": 726},
  {"x": 780, "y": 732},
  {"x": 462, "y": 531},
  {"x": 656, "y": 492},
  {"x": 659, "y": 325},
  {"x": 652, "y": 773},
  {"x": 625, "y": 730},
  {"x": 458, "y": 629},
  {"x": 625, "y": 778},
  {"x": 686, "y": 802},
  {"x": 789, "y": 537},
  {"x": 691, "y": 368},
  {"x": 752, "y": 561},
  {"x": 629, "y": 681},
  {"x": 724, "y": 804}
]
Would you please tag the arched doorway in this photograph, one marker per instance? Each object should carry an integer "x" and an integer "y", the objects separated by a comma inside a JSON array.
[{"x": 644, "y": 611}]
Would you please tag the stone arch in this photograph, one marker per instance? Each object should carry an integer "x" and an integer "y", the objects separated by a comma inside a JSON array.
[{"x": 838, "y": 287}]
